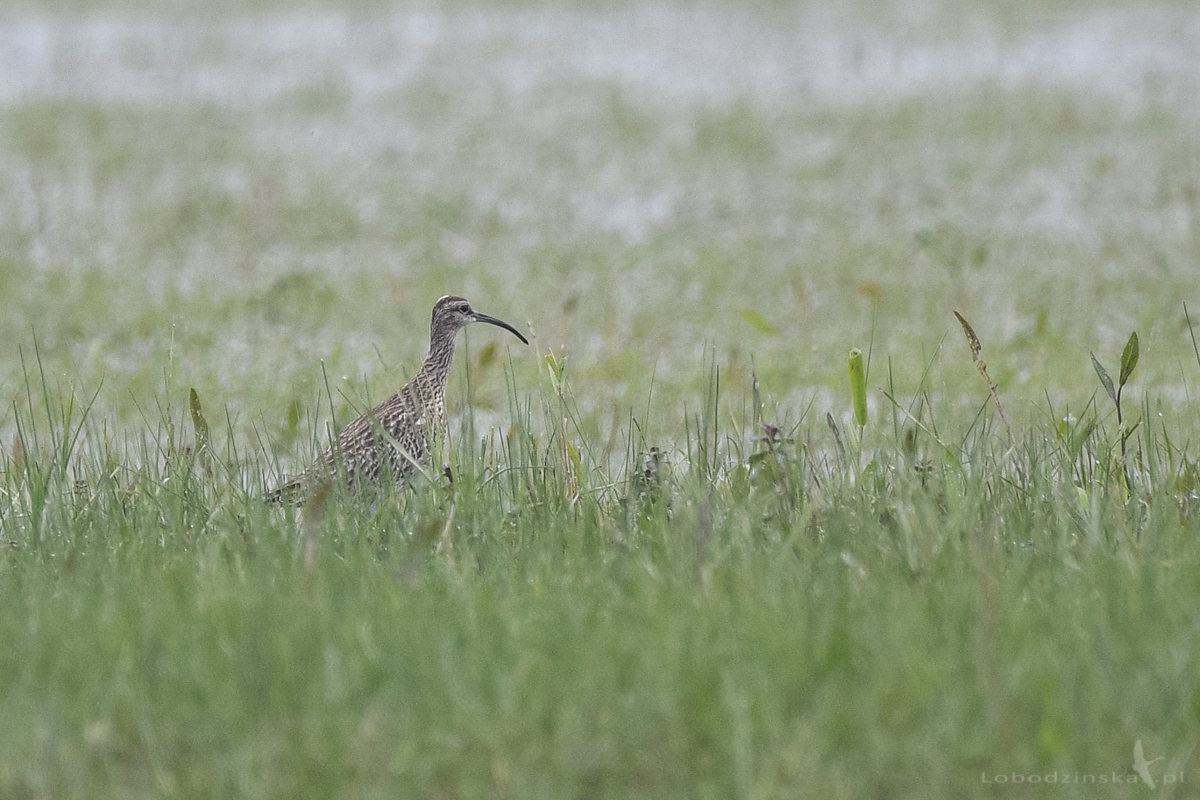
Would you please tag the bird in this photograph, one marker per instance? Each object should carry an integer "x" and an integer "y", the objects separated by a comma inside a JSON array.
[
  {"x": 1141, "y": 765},
  {"x": 399, "y": 431}
]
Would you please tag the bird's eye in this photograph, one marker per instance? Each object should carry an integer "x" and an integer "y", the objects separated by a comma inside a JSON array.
[{"x": 464, "y": 308}]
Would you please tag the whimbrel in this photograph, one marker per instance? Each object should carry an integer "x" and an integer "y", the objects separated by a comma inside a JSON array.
[{"x": 399, "y": 430}]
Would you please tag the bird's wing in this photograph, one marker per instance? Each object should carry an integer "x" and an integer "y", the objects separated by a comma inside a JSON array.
[{"x": 358, "y": 445}]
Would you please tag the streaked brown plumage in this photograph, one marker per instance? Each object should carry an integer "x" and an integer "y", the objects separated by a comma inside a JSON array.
[{"x": 399, "y": 430}]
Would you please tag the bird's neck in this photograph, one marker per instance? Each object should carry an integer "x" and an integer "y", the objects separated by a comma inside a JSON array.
[{"x": 436, "y": 368}]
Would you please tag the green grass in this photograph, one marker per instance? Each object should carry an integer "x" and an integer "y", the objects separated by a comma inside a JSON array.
[
  {"x": 658, "y": 572},
  {"x": 758, "y": 620}
]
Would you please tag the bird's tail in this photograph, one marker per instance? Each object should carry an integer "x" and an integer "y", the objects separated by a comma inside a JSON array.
[{"x": 290, "y": 494}]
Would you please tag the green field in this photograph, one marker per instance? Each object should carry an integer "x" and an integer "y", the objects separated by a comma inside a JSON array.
[{"x": 670, "y": 563}]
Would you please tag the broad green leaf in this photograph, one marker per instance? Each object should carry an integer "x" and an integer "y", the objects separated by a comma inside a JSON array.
[
  {"x": 870, "y": 470},
  {"x": 487, "y": 354},
  {"x": 1104, "y": 379},
  {"x": 1129, "y": 358},
  {"x": 758, "y": 321},
  {"x": 1085, "y": 502}
]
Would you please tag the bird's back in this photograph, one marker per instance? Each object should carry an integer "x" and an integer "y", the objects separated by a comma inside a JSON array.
[{"x": 392, "y": 437}]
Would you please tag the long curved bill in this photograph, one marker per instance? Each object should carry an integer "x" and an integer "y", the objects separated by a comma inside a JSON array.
[{"x": 499, "y": 323}]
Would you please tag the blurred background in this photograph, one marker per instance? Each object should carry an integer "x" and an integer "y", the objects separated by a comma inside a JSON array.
[{"x": 233, "y": 196}]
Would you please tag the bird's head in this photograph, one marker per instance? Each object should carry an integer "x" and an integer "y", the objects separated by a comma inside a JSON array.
[{"x": 451, "y": 313}]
